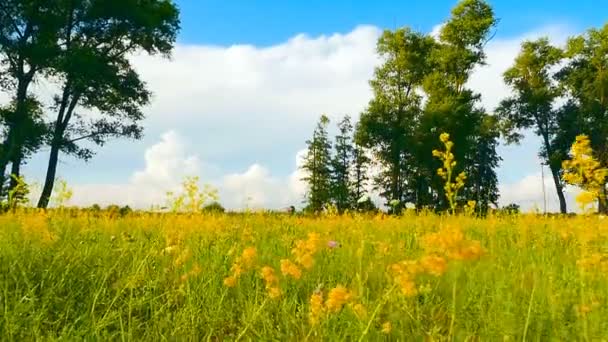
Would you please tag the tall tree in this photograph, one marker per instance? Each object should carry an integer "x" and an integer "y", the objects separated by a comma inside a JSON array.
[
  {"x": 317, "y": 167},
  {"x": 96, "y": 39},
  {"x": 359, "y": 175},
  {"x": 452, "y": 108},
  {"x": 533, "y": 104},
  {"x": 585, "y": 79},
  {"x": 35, "y": 133},
  {"x": 341, "y": 164},
  {"x": 388, "y": 124},
  {"x": 28, "y": 45}
]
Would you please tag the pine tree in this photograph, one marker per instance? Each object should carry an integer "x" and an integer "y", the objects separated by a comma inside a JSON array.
[
  {"x": 317, "y": 166},
  {"x": 359, "y": 176},
  {"x": 340, "y": 166}
]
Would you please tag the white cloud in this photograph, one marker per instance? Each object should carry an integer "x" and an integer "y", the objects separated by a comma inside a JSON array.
[
  {"x": 528, "y": 193},
  {"x": 501, "y": 53},
  {"x": 252, "y": 91},
  {"x": 168, "y": 162}
]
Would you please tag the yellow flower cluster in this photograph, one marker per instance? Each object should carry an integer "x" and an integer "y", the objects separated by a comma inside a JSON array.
[
  {"x": 288, "y": 268},
  {"x": 337, "y": 298},
  {"x": 586, "y": 172},
  {"x": 594, "y": 263},
  {"x": 246, "y": 261},
  {"x": 305, "y": 250},
  {"x": 404, "y": 274},
  {"x": 316, "y": 308},
  {"x": 271, "y": 281},
  {"x": 446, "y": 172},
  {"x": 387, "y": 327},
  {"x": 451, "y": 243},
  {"x": 439, "y": 247}
]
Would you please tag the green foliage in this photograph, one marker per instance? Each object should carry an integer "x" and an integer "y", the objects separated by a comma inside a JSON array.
[
  {"x": 341, "y": 164},
  {"x": 585, "y": 80},
  {"x": 401, "y": 130},
  {"x": 534, "y": 104},
  {"x": 63, "y": 194},
  {"x": 387, "y": 127},
  {"x": 214, "y": 207},
  {"x": 16, "y": 196},
  {"x": 317, "y": 167}
]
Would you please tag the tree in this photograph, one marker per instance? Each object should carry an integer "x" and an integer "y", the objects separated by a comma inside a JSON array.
[
  {"x": 28, "y": 37},
  {"x": 317, "y": 166},
  {"x": 453, "y": 109},
  {"x": 388, "y": 124},
  {"x": 533, "y": 104},
  {"x": 34, "y": 130},
  {"x": 585, "y": 80},
  {"x": 341, "y": 164},
  {"x": 96, "y": 38},
  {"x": 584, "y": 171},
  {"x": 360, "y": 163}
]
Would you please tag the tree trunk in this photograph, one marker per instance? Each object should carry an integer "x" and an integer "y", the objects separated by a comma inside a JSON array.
[
  {"x": 603, "y": 205},
  {"x": 15, "y": 173},
  {"x": 49, "y": 181},
  {"x": 560, "y": 191},
  {"x": 559, "y": 188}
]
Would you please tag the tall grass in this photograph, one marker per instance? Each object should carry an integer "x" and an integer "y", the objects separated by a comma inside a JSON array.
[{"x": 151, "y": 277}]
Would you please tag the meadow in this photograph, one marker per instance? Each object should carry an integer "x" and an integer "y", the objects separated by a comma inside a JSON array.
[{"x": 97, "y": 276}]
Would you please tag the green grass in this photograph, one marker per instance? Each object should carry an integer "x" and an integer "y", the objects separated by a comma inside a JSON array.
[{"x": 73, "y": 277}]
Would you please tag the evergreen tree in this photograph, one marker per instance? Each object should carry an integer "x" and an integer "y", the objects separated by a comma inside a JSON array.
[
  {"x": 317, "y": 166},
  {"x": 341, "y": 164},
  {"x": 359, "y": 176}
]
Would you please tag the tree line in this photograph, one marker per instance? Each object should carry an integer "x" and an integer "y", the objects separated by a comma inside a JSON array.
[
  {"x": 81, "y": 48},
  {"x": 420, "y": 91}
]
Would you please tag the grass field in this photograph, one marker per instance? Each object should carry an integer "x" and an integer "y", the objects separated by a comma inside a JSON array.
[{"x": 278, "y": 277}]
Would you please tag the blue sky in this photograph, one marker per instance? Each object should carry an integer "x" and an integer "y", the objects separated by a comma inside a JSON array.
[
  {"x": 248, "y": 80},
  {"x": 266, "y": 22}
]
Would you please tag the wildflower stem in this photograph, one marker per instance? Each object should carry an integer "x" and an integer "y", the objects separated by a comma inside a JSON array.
[
  {"x": 255, "y": 315},
  {"x": 376, "y": 310},
  {"x": 453, "y": 310},
  {"x": 529, "y": 312}
]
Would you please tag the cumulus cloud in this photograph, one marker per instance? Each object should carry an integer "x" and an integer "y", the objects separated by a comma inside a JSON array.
[
  {"x": 169, "y": 161},
  {"x": 528, "y": 194}
]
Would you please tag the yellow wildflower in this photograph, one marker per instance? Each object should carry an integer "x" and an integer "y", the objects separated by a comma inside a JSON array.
[
  {"x": 230, "y": 281},
  {"x": 336, "y": 298},
  {"x": 386, "y": 327},
  {"x": 288, "y": 268},
  {"x": 249, "y": 257},
  {"x": 434, "y": 265},
  {"x": 408, "y": 287},
  {"x": 316, "y": 308},
  {"x": 271, "y": 281}
]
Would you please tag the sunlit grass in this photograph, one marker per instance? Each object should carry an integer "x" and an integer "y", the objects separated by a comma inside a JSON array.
[{"x": 76, "y": 275}]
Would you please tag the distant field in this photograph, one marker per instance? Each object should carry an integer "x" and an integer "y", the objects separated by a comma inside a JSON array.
[{"x": 279, "y": 277}]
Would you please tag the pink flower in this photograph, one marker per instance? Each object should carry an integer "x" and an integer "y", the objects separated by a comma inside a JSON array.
[{"x": 333, "y": 244}]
